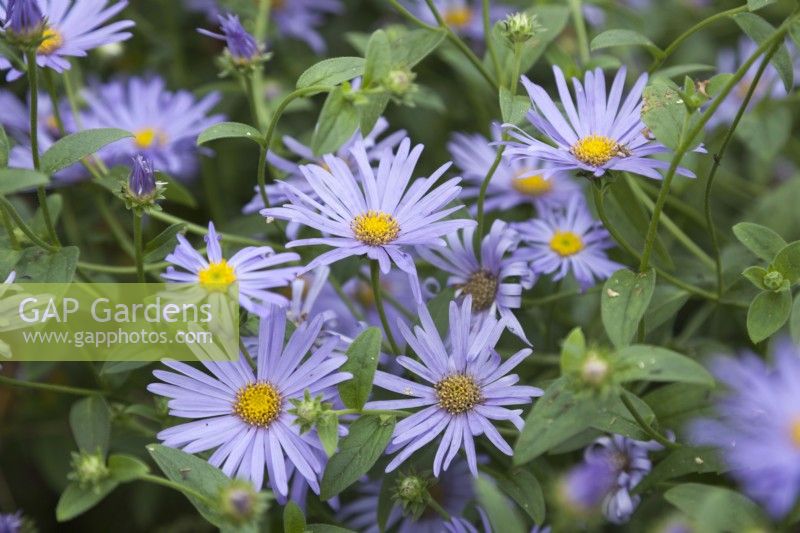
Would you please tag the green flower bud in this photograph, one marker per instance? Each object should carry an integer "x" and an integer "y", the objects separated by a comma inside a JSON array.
[
  {"x": 240, "y": 503},
  {"x": 88, "y": 469},
  {"x": 411, "y": 492},
  {"x": 309, "y": 411},
  {"x": 519, "y": 28},
  {"x": 595, "y": 369},
  {"x": 773, "y": 280}
]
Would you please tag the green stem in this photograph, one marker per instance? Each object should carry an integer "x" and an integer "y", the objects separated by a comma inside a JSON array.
[
  {"x": 433, "y": 504},
  {"x": 558, "y": 296},
  {"x": 482, "y": 198},
  {"x": 12, "y": 237},
  {"x": 137, "y": 245},
  {"x": 262, "y": 175},
  {"x": 376, "y": 412},
  {"x": 11, "y": 382},
  {"x": 51, "y": 90},
  {"x": 95, "y": 267},
  {"x": 378, "y": 294},
  {"x": 487, "y": 36},
  {"x": 119, "y": 233},
  {"x": 658, "y": 437},
  {"x": 712, "y": 231},
  {"x": 187, "y": 491},
  {"x": 35, "y": 239},
  {"x": 200, "y": 230},
  {"x": 262, "y": 22},
  {"x": 288, "y": 99},
  {"x": 41, "y": 192},
  {"x": 580, "y": 30}
]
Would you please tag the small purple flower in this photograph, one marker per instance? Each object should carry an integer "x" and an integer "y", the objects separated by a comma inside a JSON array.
[
  {"x": 165, "y": 124},
  {"x": 251, "y": 267},
  {"x": 142, "y": 181},
  {"x": 241, "y": 45},
  {"x": 487, "y": 280},
  {"x": 11, "y": 523},
  {"x": 244, "y": 415},
  {"x": 568, "y": 240},
  {"x": 612, "y": 467},
  {"x": 469, "y": 388},
  {"x": 24, "y": 17},
  {"x": 72, "y": 28},
  {"x": 516, "y": 181},
  {"x": 379, "y": 214},
  {"x": 758, "y": 425},
  {"x": 602, "y": 133}
]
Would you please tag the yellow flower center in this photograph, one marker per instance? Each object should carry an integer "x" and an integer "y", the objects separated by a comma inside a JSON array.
[
  {"x": 375, "y": 228},
  {"x": 596, "y": 150},
  {"x": 566, "y": 243},
  {"x": 52, "y": 41},
  {"x": 483, "y": 288},
  {"x": 533, "y": 185},
  {"x": 364, "y": 295},
  {"x": 146, "y": 137},
  {"x": 217, "y": 277},
  {"x": 258, "y": 404},
  {"x": 458, "y": 393},
  {"x": 458, "y": 17},
  {"x": 795, "y": 432}
]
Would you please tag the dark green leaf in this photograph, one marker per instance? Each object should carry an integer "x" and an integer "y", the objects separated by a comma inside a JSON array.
[
  {"x": 760, "y": 30},
  {"x": 681, "y": 462},
  {"x": 74, "y": 147},
  {"x": 90, "y": 420},
  {"x": 379, "y": 59},
  {"x": 513, "y": 108},
  {"x": 358, "y": 451},
  {"x": 39, "y": 266},
  {"x": 623, "y": 303},
  {"x": 337, "y": 122},
  {"x": 787, "y": 262},
  {"x": 573, "y": 351},
  {"x": 328, "y": 431},
  {"x": 5, "y": 147},
  {"x": 653, "y": 363},
  {"x": 20, "y": 179},
  {"x": 523, "y": 487},
  {"x": 293, "y": 519},
  {"x": 327, "y": 528},
  {"x": 125, "y": 468},
  {"x": 370, "y": 111},
  {"x": 176, "y": 192},
  {"x": 760, "y": 240},
  {"x": 501, "y": 515},
  {"x": 163, "y": 243},
  {"x": 362, "y": 360},
  {"x": 413, "y": 46},
  {"x": 665, "y": 304},
  {"x": 625, "y": 38},
  {"x": 768, "y": 312},
  {"x": 664, "y": 113},
  {"x": 76, "y": 500},
  {"x": 755, "y": 5},
  {"x": 715, "y": 509},
  {"x": 230, "y": 130},
  {"x": 332, "y": 72},
  {"x": 794, "y": 324}
]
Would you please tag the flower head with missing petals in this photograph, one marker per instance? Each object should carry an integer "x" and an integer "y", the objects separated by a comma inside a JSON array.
[
  {"x": 244, "y": 415},
  {"x": 469, "y": 388}
]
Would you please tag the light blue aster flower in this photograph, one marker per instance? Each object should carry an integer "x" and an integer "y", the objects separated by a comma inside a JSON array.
[{"x": 464, "y": 17}]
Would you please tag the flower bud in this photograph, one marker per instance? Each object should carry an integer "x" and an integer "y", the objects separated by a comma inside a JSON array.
[
  {"x": 594, "y": 369},
  {"x": 400, "y": 82},
  {"x": 241, "y": 503},
  {"x": 24, "y": 23},
  {"x": 519, "y": 28},
  {"x": 308, "y": 411},
  {"x": 142, "y": 189},
  {"x": 88, "y": 469},
  {"x": 773, "y": 280},
  {"x": 411, "y": 492}
]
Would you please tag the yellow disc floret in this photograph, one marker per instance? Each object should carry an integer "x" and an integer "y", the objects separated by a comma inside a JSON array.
[
  {"x": 532, "y": 185},
  {"x": 458, "y": 17},
  {"x": 458, "y": 393},
  {"x": 147, "y": 137},
  {"x": 258, "y": 404},
  {"x": 482, "y": 285},
  {"x": 52, "y": 40},
  {"x": 795, "y": 432},
  {"x": 596, "y": 150},
  {"x": 375, "y": 228},
  {"x": 217, "y": 277},
  {"x": 566, "y": 243}
]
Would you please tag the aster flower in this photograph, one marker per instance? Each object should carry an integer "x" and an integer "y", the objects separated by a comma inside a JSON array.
[
  {"x": 758, "y": 425},
  {"x": 72, "y": 28},
  {"x": 612, "y": 467},
  {"x": 244, "y": 415},
  {"x": 469, "y": 388},
  {"x": 305, "y": 293},
  {"x": 460, "y": 525},
  {"x": 516, "y": 181},
  {"x": 24, "y": 17},
  {"x": 250, "y": 267},
  {"x": 165, "y": 124},
  {"x": 11, "y": 522},
  {"x": 462, "y": 16},
  {"x": 568, "y": 240},
  {"x": 486, "y": 280},
  {"x": 377, "y": 214},
  {"x": 597, "y": 136},
  {"x": 241, "y": 45}
]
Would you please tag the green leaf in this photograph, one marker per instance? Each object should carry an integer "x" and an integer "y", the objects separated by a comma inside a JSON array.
[
  {"x": 126, "y": 468},
  {"x": 370, "y": 111},
  {"x": 501, "y": 515},
  {"x": 38, "y": 266},
  {"x": 332, "y": 72},
  {"x": 573, "y": 351},
  {"x": 337, "y": 122},
  {"x": 379, "y": 59},
  {"x": 513, "y": 108},
  {"x": 664, "y": 305},
  {"x": 623, "y": 303},
  {"x": 74, "y": 147},
  {"x": 294, "y": 521},
  {"x": 176, "y": 192},
  {"x": 760, "y": 240},
  {"x": 760, "y": 30},
  {"x": 90, "y": 420},
  {"x": 794, "y": 324},
  {"x": 653, "y": 363},
  {"x": 230, "y": 130},
  {"x": 523, "y": 487},
  {"x": 439, "y": 308},
  {"x": 327, "y": 528},
  {"x": 768, "y": 312},
  {"x": 755, "y": 274},
  {"x": 192, "y": 472},
  {"x": 328, "y": 431},
  {"x": 611, "y": 38},
  {"x": 358, "y": 451},
  {"x": 163, "y": 243},
  {"x": 5, "y": 147},
  {"x": 715, "y": 509},
  {"x": 54, "y": 203},
  {"x": 787, "y": 262},
  {"x": 766, "y": 131},
  {"x": 411, "y": 47},
  {"x": 682, "y": 462},
  {"x": 664, "y": 113},
  {"x": 20, "y": 179},
  {"x": 362, "y": 360},
  {"x": 755, "y": 5},
  {"x": 717, "y": 83},
  {"x": 76, "y": 500}
]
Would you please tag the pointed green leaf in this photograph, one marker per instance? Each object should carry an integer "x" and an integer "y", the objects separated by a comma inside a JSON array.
[
  {"x": 163, "y": 243},
  {"x": 72, "y": 148},
  {"x": 76, "y": 500},
  {"x": 362, "y": 361},
  {"x": 126, "y": 468},
  {"x": 38, "y": 266},
  {"x": 413, "y": 46},
  {"x": 523, "y": 487},
  {"x": 337, "y": 122},
  {"x": 768, "y": 312},
  {"x": 653, "y": 363},
  {"x": 664, "y": 113},
  {"x": 787, "y": 262},
  {"x": 755, "y": 274},
  {"x": 294, "y": 521},
  {"x": 755, "y": 5},
  {"x": 513, "y": 108},
  {"x": 760, "y": 240},
  {"x": 624, "y": 301},
  {"x": 760, "y": 30},
  {"x": 573, "y": 351},
  {"x": 90, "y": 420},
  {"x": 379, "y": 59},
  {"x": 683, "y": 461},
  {"x": 20, "y": 179},
  {"x": 628, "y": 38},
  {"x": 715, "y": 509},
  {"x": 332, "y": 72},
  {"x": 328, "y": 431},
  {"x": 501, "y": 515},
  {"x": 230, "y": 130}
]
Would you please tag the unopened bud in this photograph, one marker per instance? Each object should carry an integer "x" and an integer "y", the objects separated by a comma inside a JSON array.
[
  {"x": 594, "y": 369},
  {"x": 520, "y": 28},
  {"x": 240, "y": 503},
  {"x": 88, "y": 469},
  {"x": 773, "y": 280}
]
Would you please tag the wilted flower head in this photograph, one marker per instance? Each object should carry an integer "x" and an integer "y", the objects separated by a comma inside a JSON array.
[{"x": 241, "y": 45}]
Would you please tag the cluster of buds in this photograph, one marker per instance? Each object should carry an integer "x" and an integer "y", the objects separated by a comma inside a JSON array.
[
  {"x": 89, "y": 469},
  {"x": 242, "y": 53},
  {"x": 142, "y": 191},
  {"x": 309, "y": 411},
  {"x": 519, "y": 28}
]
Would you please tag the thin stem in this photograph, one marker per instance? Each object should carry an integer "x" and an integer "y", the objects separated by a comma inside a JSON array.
[
  {"x": 378, "y": 294},
  {"x": 262, "y": 175},
  {"x": 12, "y": 237},
  {"x": 119, "y": 233},
  {"x": 200, "y": 230},
  {"x": 658, "y": 437},
  {"x": 580, "y": 30},
  {"x": 712, "y": 231},
  {"x": 482, "y": 197},
  {"x": 405, "y": 13},
  {"x": 262, "y": 22},
  {"x": 288, "y": 99},
  {"x": 41, "y": 192},
  {"x": 558, "y": 296},
  {"x": 137, "y": 245},
  {"x": 96, "y": 267},
  {"x": 433, "y": 504},
  {"x": 487, "y": 37},
  {"x": 376, "y": 412},
  {"x": 186, "y": 490},
  {"x": 51, "y": 90},
  {"x": 35, "y": 239},
  {"x": 11, "y": 382}
]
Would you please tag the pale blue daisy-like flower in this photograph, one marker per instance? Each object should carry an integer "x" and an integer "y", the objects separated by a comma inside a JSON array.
[
  {"x": 568, "y": 240},
  {"x": 601, "y": 133},
  {"x": 758, "y": 425},
  {"x": 244, "y": 416},
  {"x": 495, "y": 282},
  {"x": 11, "y": 522},
  {"x": 464, "y": 17},
  {"x": 306, "y": 291},
  {"x": 165, "y": 124},
  {"x": 613, "y": 466},
  {"x": 516, "y": 181},
  {"x": 241, "y": 45},
  {"x": 72, "y": 28},
  {"x": 252, "y": 268},
  {"x": 461, "y": 525},
  {"x": 377, "y": 214},
  {"x": 469, "y": 388}
]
